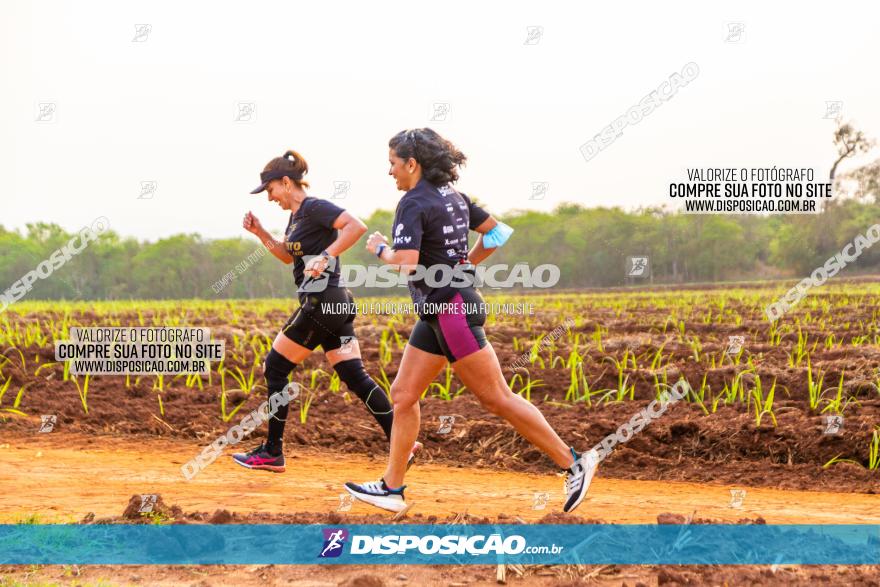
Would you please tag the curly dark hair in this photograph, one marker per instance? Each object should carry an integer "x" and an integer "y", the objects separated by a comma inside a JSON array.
[{"x": 438, "y": 157}]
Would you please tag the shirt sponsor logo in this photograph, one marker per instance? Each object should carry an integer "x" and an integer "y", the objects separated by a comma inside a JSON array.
[
  {"x": 399, "y": 229},
  {"x": 447, "y": 229}
]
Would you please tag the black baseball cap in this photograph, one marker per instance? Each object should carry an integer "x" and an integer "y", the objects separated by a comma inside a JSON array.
[{"x": 267, "y": 176}]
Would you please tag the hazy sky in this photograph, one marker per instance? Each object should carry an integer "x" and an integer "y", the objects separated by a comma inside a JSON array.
[{"x": 336, "y": 80}]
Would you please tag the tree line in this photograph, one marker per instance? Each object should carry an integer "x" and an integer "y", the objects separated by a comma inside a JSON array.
[{"x": 589, "y": 245}]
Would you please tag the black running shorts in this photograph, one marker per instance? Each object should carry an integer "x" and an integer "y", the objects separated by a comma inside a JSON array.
[
  {"x": 324, "y": 319},
  {"x": 455, "y": 332}
]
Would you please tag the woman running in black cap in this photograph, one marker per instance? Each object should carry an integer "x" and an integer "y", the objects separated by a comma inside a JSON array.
[
  {"x": 431, "y": 230},
  {"x": 317, "y": 233}
]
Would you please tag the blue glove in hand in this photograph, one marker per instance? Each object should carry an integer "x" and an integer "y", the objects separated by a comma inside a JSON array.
[{"x": 497, "y": 236}]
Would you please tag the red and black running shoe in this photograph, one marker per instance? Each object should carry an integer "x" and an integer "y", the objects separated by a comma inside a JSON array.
[{"x": 260, "y": 458}]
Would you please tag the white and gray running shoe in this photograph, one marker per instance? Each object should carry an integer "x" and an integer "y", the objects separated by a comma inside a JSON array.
[
  {"x": 377, "y": 493},
  {"x": 578, "y": 478}
]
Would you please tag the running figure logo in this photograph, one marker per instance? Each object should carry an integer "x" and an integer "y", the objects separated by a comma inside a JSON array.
[
  {"x": 334, "y": 539},
  {"x": 446, "y": 423},
  {"x": 735, "y": 32},
  {"x": 737, "y": 497},
  {"x": 734, "y": 344},
  {"x": 637, "y": 266},
  {"x": 47, "y": 423},
  {"x": 45, "y": 112},
  {"x": 347, "y": 343},
  {"x": 833, "y": 109},
  {"x": 534, "y": 35},
  {"x": 340, "y": 189},
  {"x": 245, "y": 112},
  {"x": 345, "y": 502},
  {"x": 539, "y": 190},
  {"x": 142, "y": 33},
  {"x": 833, "y": 424},
  {"x": 148, "y": 189},
  {"x": 147, "y": 503},
  {"x": 441, "y": 110},
  {"x": 541, "y": 500}
]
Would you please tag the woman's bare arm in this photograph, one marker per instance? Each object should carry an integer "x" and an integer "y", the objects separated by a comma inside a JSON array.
[
  {"x": 478, "y": 252},
  {"x": 277, "y": 248},
  {"x": 404, "y": 260},
  {"x": 351, "y": 229}
]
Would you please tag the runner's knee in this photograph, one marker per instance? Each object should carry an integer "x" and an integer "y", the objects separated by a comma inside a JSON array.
[
  {"x": 494, "y": 404},
  {"x": 351, "y": 372},
  {"x": 403, "y": 396},
  {"x": 498, "y": 402},
  {"x": 276, "y": 368}
]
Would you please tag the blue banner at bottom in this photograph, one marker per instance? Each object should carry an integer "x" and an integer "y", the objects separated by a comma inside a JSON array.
[{"x": 703, "y": 544}]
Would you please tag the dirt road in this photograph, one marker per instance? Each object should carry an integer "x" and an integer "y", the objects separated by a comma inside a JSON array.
[{"x": 63, "y": 477}]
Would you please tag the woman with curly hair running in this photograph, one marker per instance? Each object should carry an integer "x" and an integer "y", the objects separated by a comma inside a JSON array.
[{"x": 431, "y": 230}]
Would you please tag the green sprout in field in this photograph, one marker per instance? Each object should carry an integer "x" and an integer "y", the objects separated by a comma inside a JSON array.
[
  {"x": 17, "y": 401},
  {"x": 597, "y": 337},
  {"x": 736, "y": 390},
  {"x": 83, "y": 391},
  {"x": 576, "y": 373},
  {"x": 4, "y": 387},
  {"x": 874, "y": 450},
  {"x": 624, "y": 388},
  {"x": 385, "y": 356},
  {"x": 657, "y": 361},
  {"x": 837, "y": 403},
  {"x": 763, "y": 404},
  {"x": 800, "y": 351},
  {"x": 246, "y": 383},
  {"x": 384, "y": 382},
  {"x": 873, "y": 463},
  {"x": 224, "y": 413},
  {"x": 700, "y": 396},
  {"x": 814, "y": 386},
  {"x": 304, "y": 404},
  {"x": 696, "y": 347},
  {"x": 775, "y": 334},
  {"x": 444, "y": 390}
]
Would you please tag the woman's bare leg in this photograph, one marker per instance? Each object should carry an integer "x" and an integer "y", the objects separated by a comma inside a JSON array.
[
  {"x": 417, "y": 369},
  {"x": 293, "y": 352},
  {"x": 481, "y": 373}
]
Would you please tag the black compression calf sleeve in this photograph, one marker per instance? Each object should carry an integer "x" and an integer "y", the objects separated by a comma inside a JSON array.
[
  {"x": 277, "y": 368},
  {"x": 353, "y": 374}
]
